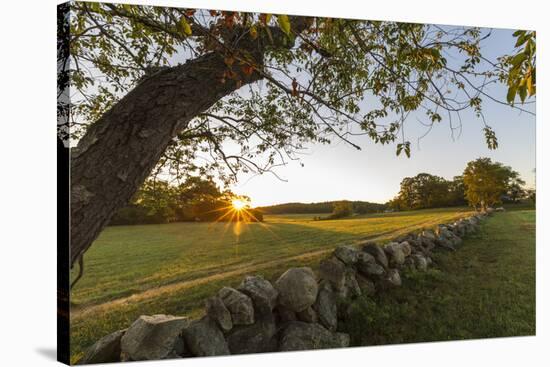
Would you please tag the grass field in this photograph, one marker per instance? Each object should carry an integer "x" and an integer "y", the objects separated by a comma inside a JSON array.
[
  {"x": 485, "y": 290},
  {"x": 172, "y": 268}
]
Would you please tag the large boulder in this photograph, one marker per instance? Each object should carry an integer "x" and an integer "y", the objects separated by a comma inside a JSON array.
[
  {"x": 351, "y": 288},
  {"x": 392, "y": 279},
  {"x": 263, "y": 294},
  {"x": 396, "y": 253},
  {"x": 284, "y": 314},
  {"x": 239, "y": 305},
  {"x": 303, "y": 336},
  {"x": 333, "y": 270},
  {"x": 154, "y": 337},
  {"x": 256, "y": 338},
  {"x": 203, "y": 338},
  {"x": 327, "y": 307},
  {"x": 297, "y": 288},
  {"x": 347, "y": 254},
  {"x": 105, "y": 350},
  {"x": 377, "y": 252},
  {"x": 308, "y": 315},
  {"x": 371, "y": 270},
  {"x": 216, "y": 310},
  {"x": 368, "y": 266}
]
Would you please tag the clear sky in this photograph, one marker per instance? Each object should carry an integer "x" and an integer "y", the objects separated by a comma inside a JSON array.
[{"x": 338, "y": 171}]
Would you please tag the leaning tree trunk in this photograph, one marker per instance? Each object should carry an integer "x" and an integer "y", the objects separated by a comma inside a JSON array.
[{"x": 119, "y": 151}]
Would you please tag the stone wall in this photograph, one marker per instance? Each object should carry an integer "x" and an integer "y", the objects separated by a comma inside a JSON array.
[{"x": 300, "y": 311}]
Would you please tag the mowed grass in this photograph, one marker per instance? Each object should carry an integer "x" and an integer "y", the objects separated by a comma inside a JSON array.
[
  {"x": 484, "y": 290},
  {"x": 172, "y": 268}
]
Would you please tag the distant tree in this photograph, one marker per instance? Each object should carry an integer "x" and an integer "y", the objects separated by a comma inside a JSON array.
[
  {"x": 396, "y": 204},
  {"x": 531, "y": 195},
  {"x": 423, "y": 191},
  {"x": 516, "y": 191},
  {"x": 457, "y": 196},
  {"x": 196, "y": 199},
  {"x": 486, "y": 182},
  {"x": 341, "y": 209},
  {"x": 360, "y": 207}
]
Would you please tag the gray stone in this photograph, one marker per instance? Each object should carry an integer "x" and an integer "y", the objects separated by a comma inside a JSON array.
[
  {"x": 327, "y": 307},
  {"x": 303, "y": 336},
  {"x": 347, "y": 254},
  {"x": 445, "y": 244},
  {"x": 409, "y": 264},
  {"x": 285, "y": 315},
  {"x": 105, "y": 350},
  {"x": 392, "y": 279},
  {"x": 420, "y": 262},
  {"x": 154, "y": 337},
  {"x": 366, "y": 285},
  {"x": 429, "y": 234},
  {"x": 371, "y": 270},
  {"x": 239, "y": 305},
  {"x": 333, "y": 271},
  {"x": 297, "y": 288},
  {"x": 406, "y": 248},
  {"x": 395, "y": 253},
  {"x": 256, "y": 338},
  {"x": 427, "y": 242},
  {"x": 216, "y": 310},
  {"x": 204, "y": 338},
  {"x": 377, "y": 252},
  {"x": 263, "y": 294},
  {"x": 308, "y": 315},
  {"x": 351, "y": 288}
]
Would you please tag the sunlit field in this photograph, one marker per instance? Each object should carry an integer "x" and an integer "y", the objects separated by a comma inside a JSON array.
[{"x": 172, "y": 268}]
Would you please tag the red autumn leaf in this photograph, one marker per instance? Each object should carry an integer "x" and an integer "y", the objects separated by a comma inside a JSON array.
[{"x": 247, "y": 69}]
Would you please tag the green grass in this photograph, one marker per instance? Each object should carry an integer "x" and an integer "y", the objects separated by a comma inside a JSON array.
[
  {"x": 484, "y": 290},
  {"x": 172, "y": 268}
]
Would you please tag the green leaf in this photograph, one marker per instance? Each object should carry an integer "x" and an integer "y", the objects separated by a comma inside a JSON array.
[
  {"x": 399, "y": 149},
  {"x": 530, "y": 85},
  {"x": 518, "y": 59},
  {"x": 511, "y": 95},
  {"x": 518, "y": 33},
  {"x": 284, "y": 23},
  {"x": 184, "y": 26},
  {"x": 522, "y": 90}
]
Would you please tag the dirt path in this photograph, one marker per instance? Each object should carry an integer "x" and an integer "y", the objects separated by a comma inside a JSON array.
[{"x": 243, "y": 269}]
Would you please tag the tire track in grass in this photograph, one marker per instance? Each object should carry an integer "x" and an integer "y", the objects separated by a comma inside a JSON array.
[{"x": 243, "y": 269}]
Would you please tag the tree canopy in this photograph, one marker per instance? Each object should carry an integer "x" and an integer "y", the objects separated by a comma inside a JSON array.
[
  {"x": 486, "y": 182},
  {"x": 187, "y": 92},
  {"x": 322, "y": 78},
  {"x": 197, "y": 199},
  {"x": 428, "y": 191}
]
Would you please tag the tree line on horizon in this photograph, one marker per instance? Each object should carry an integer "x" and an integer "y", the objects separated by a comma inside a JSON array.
[
  {"x": 325, "y": 207},
  {"x": 195, "y": 200},
  {"x": 483, "y": 184}
]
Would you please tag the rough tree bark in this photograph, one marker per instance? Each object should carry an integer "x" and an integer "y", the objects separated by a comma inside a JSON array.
[{"x": 119, "y": 151}]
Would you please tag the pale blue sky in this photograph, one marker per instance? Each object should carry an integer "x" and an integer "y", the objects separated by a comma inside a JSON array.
[{"x": 338, "y": 171}]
